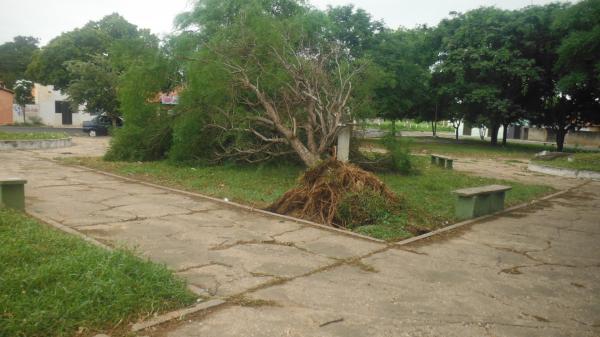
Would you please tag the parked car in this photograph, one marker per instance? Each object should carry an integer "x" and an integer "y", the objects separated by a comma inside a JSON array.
[{"x": 100, "y": 125}]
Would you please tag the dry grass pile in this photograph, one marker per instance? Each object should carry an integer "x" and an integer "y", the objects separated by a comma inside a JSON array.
[{"x": 325, "y": 187}]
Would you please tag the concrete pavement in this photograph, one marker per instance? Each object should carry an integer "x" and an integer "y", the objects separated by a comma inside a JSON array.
[{"x": 534, "y": 272}]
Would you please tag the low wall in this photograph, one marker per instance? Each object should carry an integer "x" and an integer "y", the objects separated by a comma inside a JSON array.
[
  {"x": 583, "y": 138},
  {"x": 564, "y": 172},
  {"x": 536, "y": 134},
  {"x": 34, "y": 144}
]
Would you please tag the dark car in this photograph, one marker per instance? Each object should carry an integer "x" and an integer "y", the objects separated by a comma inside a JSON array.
[{"x": 100, "y": 125}]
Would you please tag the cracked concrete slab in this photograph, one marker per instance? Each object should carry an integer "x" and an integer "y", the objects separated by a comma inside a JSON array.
[
  {"x": 219, "y": 249},
  {"x": 532, "y": 272},
  {"x": 511, "y": 276}
]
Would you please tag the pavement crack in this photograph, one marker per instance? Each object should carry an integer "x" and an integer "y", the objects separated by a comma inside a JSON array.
[
  {"x": 108, "y": 208},
  {"x": 260, "y": 274},
  {"x": 286, "y": 232},
  {"x": 516, "y": 270},
  {"x": 412, "y": 251},
  {"x": 331, "y": 322},
  {"x": 224, "y": 245},
  {"x": 62, "y": 185},
  {"x": 353, "y": 261},
  {"x": 113, "y": 222},
  {"x": 244, "y": 301},
  {"x": 204, "y": 265},
  {"x": 536, "y": 317}
]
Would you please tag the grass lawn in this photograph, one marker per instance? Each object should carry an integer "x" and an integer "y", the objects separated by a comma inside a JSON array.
[
  {"x": 427, "y": 195},
  {"x": 581, "y": 161},
  {"x": 409, "y": 125},
  {"x": 473, "y": 148},
  {"x": 31, "y": 135},
  {"x": 54, "y": 284}
]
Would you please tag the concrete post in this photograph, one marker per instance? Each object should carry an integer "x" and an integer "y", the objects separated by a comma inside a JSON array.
[{"x": 343, "y": 143}]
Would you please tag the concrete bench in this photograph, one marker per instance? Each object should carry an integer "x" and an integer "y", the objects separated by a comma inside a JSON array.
[
  {"x": 12, "y": 193},
  {"x": 442, "y": 161},
  {"x": 478, "y": 201}
]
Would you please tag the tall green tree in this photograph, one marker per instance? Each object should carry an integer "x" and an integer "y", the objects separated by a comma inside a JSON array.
[
  {"x": 560, "y": 39},
  {"x": 537, "y": 39},
  {"x": 15, "y": 56},
  {"x": 23, "y": 95},
  {"x": 483, "y": 68},
  {"x": 49, "y": 66},
  {"x": 86, "y": 63},
  {"x": 405, "y": 56},
  {"x": 578, "y": 62},
  {"x": 353, "y": 29},
  {"x": 579, "y": 69}
]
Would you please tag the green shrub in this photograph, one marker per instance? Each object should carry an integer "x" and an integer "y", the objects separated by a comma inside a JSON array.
[
  {"x": 142, "y": 143},
  {"x": 397, "y": 159},
  {"x": 191, "y": 140},
  {"x": 399, "y": 151},
  {"x": 362, "y": 209}
]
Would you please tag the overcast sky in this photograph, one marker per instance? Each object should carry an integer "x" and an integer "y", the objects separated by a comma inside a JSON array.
[{"x": 46, "y": 19}]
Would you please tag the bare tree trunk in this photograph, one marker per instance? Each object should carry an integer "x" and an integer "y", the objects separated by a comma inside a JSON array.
[
  {"x": 504, "y": 134},
  {"x": 494, "y": 135},
  {"x": 434, "y": 121},
  {"x": 561, "y": 133},
  {"x": 309, "y": 159},
  {"x": 23, "y": 111},
  {"x": 306, "y": 114},
  {"x": 456, "y": 129}
]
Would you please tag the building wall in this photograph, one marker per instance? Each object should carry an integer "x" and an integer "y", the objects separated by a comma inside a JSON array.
[
  {"x": 44, "y": 108},
  {"x": 6, "y": 103}
]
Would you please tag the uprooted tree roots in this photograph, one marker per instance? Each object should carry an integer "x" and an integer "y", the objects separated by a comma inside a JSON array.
[{"x": 324, "y": 188}]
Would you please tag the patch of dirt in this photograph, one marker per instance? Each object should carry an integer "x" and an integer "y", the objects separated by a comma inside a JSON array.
[{"x": 517, "y": 171}]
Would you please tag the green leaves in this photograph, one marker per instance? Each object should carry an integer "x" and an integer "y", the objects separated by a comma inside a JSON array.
[
  {"x": 94, "y": 83},
  {"x": 578, "y": 52},
  {"x": 14, "y": 58},
  {"x": 23, "y": 92},
  {"x": 481, "y": 66},
  {"x": 404, "y": 57}
]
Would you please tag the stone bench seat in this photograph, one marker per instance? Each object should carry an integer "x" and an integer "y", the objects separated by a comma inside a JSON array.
[
  {"x": 478, "y": 201},
  {"x": 442, "y": 161},
  {"x": 12, "y": 193}
]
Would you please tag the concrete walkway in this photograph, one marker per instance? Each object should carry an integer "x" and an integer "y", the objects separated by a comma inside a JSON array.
[{"x": 535, "y": 272}]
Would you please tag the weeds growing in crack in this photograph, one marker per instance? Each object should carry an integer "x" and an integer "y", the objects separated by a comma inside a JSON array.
[
  {"x": 244, "y": 301},
  {"x": 363, "y": 266}
]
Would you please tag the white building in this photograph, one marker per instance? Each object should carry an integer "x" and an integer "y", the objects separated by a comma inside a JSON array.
[{"x": 51, "y": 108}]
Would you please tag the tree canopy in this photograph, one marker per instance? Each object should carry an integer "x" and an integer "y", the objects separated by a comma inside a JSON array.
[
  {"x": 260, "y": 79},
  {"x": 86, "y": 63},
  {"x": 15, "y": 56}
]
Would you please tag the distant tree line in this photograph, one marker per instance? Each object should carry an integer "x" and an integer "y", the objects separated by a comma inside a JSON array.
[{"x": 265, "y": 79}]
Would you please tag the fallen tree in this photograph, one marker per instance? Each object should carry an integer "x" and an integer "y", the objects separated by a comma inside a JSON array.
[
  {"x": 337, "y": 193},
  {"x": 271, "y": 83}
]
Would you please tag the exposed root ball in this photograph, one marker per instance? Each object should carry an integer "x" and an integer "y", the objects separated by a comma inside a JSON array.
[{"x": 322, "y": 189}]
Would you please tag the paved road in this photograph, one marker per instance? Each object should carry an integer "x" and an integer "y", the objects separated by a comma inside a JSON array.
[{"x": 535, "y": 272}]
